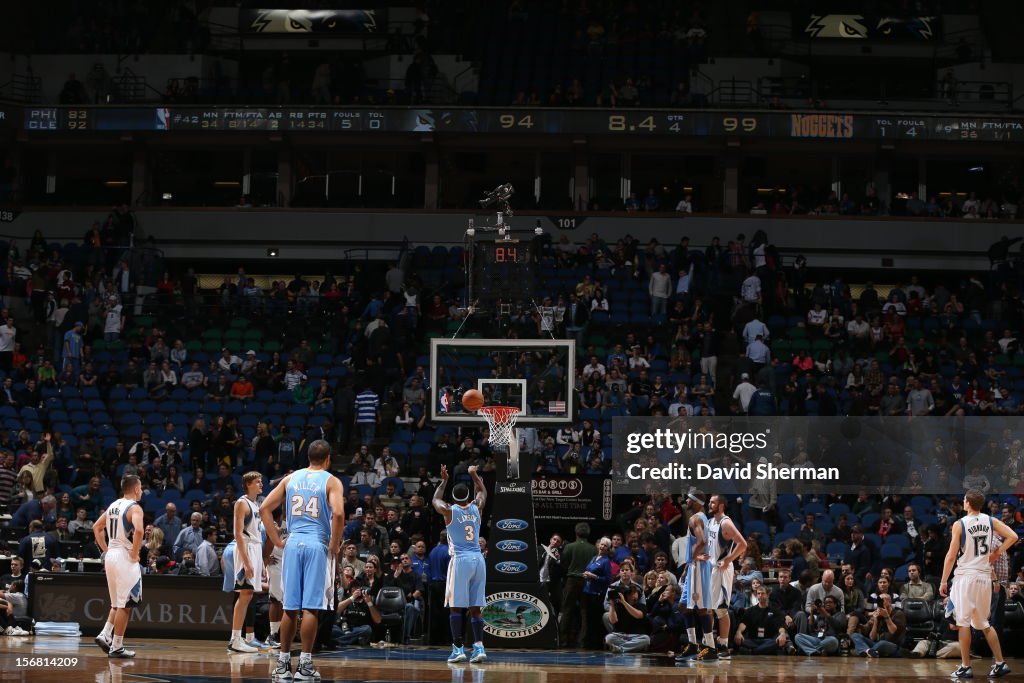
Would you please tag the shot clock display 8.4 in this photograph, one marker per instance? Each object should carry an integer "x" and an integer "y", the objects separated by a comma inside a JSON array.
[{"x": 503, "y": 272}]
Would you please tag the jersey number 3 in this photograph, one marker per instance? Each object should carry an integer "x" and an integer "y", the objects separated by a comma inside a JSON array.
[
  {"x": 311, "y": 508},
  {"x": 469, "y": 532}
]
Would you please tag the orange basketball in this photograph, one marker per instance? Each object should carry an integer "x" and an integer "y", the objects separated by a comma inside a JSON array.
[{"x": 472, "y": 400}]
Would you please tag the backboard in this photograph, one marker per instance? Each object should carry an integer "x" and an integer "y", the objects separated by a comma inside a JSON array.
[{"x": 534, "y": 375}]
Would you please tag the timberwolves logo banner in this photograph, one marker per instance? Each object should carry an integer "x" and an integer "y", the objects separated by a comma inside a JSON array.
[
  {"x": 314, "y": 22},
  {"x": 882, "y": 28}
]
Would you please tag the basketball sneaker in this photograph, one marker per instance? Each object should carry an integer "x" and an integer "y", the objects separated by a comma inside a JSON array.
[
  {"x": 688, "y": 652},
  {"x": 282, "y": 672},
  {"x": 706, "y": 654},
  {"x": 998, "y": 670},
  {"x": 273, "y": 643},
  {"x": 722, "y": 651},
  {"x": 239, "y": 645},
  {"x": 458, "y": 655},
  {"x": 255, "y": 642},
  {"x": 121, "y": 653},
  {"x": 103, "y": 643},
  {"x": 306, "y": 672},
  {"x": 962, "y": 672},
  {"x": 478, "y": 655}
]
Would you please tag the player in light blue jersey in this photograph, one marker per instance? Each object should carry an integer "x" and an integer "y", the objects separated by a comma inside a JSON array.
[
  {"x": 467, "y": 573},
  {"x": 697, "y": 584},
  {"x": 315, "y": 516}
]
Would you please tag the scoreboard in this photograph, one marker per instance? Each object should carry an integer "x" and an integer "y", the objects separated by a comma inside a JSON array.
[{"x": 660, "y": 123}]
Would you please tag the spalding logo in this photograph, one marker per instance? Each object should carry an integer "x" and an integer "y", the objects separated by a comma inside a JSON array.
[
  {"x": 511, "y": 546},
  {"x": 510, "y": 567},
  {"x": 512, "y": 524}
]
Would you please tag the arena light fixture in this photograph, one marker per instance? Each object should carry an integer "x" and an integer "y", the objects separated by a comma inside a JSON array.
[{"x": 273, "y": 252}]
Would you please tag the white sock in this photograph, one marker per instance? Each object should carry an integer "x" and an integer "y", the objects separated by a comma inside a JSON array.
[
  {"x": 251, "y": 635},
  {"x": 117, "y": 643},
  {"x": 236, "y": 635},
  {"x": 709, "y": 640},
  {"x": 691, "y": 634},
  {"x": 305, "y": 657},
  {"x": 108, "y": 630},
  {"x": 275, "y": 627},
  {"x": 478, "y": 644},
  {"x": 285, "y": 657}
]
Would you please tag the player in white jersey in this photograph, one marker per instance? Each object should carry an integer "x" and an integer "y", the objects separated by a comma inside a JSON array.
[
  {"x": 248, "y": 562},
  {"x": 725, "y": 545},
  {"x": 272, "y": 561},
  {"x": 970, "y": 547},
  {"x": 118, "y": 534}
]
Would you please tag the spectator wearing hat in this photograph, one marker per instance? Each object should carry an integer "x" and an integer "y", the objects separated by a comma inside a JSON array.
[
  {"x": 744, "y": 390},
  {"x": 303, "y": 393}
]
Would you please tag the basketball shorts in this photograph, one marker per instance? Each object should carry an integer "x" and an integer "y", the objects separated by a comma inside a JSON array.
[
  {"x": 274, "y": 580},
  {"x": 255, "y": 553},
  {"x": 721, "y": 586},
  {"x": 307, "y": 574},
  {"x": 124, "y": 578},
  {"x": 971, "y": 596},
  {"x": 229, "y": 564},
  {"x": 467, "y": 579},
  {"x": 696, "y": 593}
]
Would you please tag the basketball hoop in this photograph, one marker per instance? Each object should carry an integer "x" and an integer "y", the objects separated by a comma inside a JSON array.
[{"x": 501, "y": 420}]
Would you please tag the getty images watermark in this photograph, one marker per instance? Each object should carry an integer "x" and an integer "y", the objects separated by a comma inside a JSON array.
[{"x": 810, "y": 454}]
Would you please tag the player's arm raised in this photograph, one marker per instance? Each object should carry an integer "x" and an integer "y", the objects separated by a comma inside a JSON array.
[
  {"x": 438, "y": 501},
  {"x": 1009, "y": 537},
  {"x": 240, "y": 541},
  {"x": 336, "y": 499},
  {"x": 481, "y": 490},
  {"x": 947, "y": 564},
  {"x": 730, "y": 531},
  {"x": 271, "y": 503},
  {"x": 138, "y": 523},
  {"x": 99, "y": 532}
]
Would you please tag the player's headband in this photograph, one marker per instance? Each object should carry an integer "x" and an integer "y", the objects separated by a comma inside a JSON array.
[
  {"x": 460, "y": 493},
  {"x": 696, "y": 499}
]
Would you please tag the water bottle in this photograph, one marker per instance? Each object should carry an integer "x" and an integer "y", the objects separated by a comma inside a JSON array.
[{"x": 81, "y": 565}]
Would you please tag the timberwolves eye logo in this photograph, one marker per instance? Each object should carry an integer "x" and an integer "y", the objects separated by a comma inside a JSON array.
[
  {"x": 312, "y": 21},
  {"x": 512, "y": 525},
  {"x": 919, "y": 28},
  {"x": 510, "y": 567},
  {"x": 511, "y": 546},
  {"x": 837, "y": 26},
  {"x": 513, "y": 614}
]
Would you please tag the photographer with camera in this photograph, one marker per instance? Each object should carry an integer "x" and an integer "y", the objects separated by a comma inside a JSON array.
[
  {"x": 883, "y": 635},
  {"x": 630, "y": 627},
  {"x": 359, "y": 614},
  {"x": 826, "y": 623},
  {"x": 627, "y": 578}
]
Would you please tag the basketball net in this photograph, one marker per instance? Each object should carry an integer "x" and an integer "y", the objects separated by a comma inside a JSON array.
[{"x": 502, "y": 422}]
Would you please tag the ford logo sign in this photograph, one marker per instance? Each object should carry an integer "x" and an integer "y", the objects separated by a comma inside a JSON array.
[
  {"x": 510, "y": 567},
  {"x": 511, "y": 546},
  {"x": 512, "y": 524}
]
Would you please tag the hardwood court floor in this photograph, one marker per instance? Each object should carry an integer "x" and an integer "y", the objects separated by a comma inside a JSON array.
[{"x": 184, "y": 661}]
